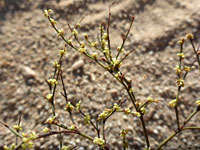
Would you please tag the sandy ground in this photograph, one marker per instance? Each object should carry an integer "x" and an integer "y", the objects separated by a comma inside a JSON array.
[{"x": 28, "y": 47}]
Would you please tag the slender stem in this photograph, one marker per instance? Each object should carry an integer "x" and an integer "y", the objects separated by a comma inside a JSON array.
[
  {"x": 190, "y": 117},
  {"x": 145, "y": 131},
  {"x": 12, "y": 130},
  {"x": 189, "y": 128},
  {"x": 124, "y": 142},
  {"x": 124, "y": 39},
  {"x": 95, "y": 127},
  {"x": 86, "y": 136},
  {"x": 178, "y": 130},
  {"x": 167, "y": 139},
  {"x": 60, "y": 138},
  {"x": 194, "y": 49},
  {"x": 19, "y": 121},
  {"x": 177, "y": 117},
  {"x": 126, "y": 55},
  {"x": 103, "y": 131}
]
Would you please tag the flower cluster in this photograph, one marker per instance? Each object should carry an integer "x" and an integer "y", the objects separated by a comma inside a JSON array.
[
  {"x": 104, "y": 114},
  {"x": 98, "y": 141},
  {"x": 87, "y": 119},
  {"x": 78, "y": 106},
  {"x": 17, "y": 127},
  {"x": 123, "y": 133},
  {"x": 72, "y": 127},
  {"x": 12, "y": 147},
  {"x": 198, "y": 102},
  {"x": 52, "y": 82},
  {"x": 49, "y": 97},
  {"x": 52, "y": 120},
  {"x": 69, "y": 107},
  {"x": 46, "y": 130},
  {"x": 180, "y": 82},
  {"x": 28, "y": 140},
  {"x": 173, "y": 103}
]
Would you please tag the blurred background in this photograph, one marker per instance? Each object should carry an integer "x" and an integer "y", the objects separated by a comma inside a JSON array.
[{"x": 29, "y": 46}]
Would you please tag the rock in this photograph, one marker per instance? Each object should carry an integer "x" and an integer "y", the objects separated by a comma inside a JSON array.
[
  {"x": 28, "y": 74},
  {"x": 77, "y": 65}
]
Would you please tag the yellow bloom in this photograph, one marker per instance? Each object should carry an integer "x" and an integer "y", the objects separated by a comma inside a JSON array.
[
  {"x": 98, "y": 141},
  {"x": 131, "y": 90},
  {"x": 180, "y": 82},
  {"x": 17, "y": 127},
  {"x": 32, "y": 136},
  {"x": 52, "y": 82},
  {"x": 116, "y": 107},
  {"x": 181, "y": 41},
  {"x": 72, "y": 127},
  {"x": 198, "y": 102},
  {"x": 178, "y": 70},
  {"x": 78, "y": 105},
  {"x": 69, "y": 107},
  {"x": 187, "y": 69},
  {"x": 78, "y": 25},
  {"x": 143, "y": 110},
  {"x": 173, "y": 103},
  {"x": 61, "y": 32},
  {"x": 82, "y": 50},
  {"x": 150, "y": 100},
  {"x": 94, "y": 44},
  {"x": 87, "y": 119},
  {"x": 136, "y": 114},
  {"x": 6, "y": 147},
  {"x": 127, "y": 111},
  {"x": 51, "y": 120},
  {"x": 105, "y": 36},
  {"x": 190, "y": 36},
  {"x": 63, "y": 51},
  {"x": 47, "y": 12},
  {"x": 69, "y": 41},
  {"x": 94, "y": 55},
  {"x": 46, "y": 130},
  {"x": 65, "y": 148},
  {"x": 75, "y": 32},
  {"x": 49, "y": 97},
  {"x": 181, "y": 55},
  {"x": 104, "y": 114},
  {"x": 53, "y": 22},
  {"x": 123, "y": 133}
]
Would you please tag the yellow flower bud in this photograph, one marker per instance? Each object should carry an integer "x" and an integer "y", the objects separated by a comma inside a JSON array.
[
  {"x": 181, "y": 41},
  {"x": 123, "y": 133},
  {"x": 49, "y": 97},
  {"x": 173, "y": 103},
  {"x": 72, "y": 127},
  {"x": 190, "y": 36},
  {"x": 53, "y": 22},
  {"x": 181, "y": 55},
  {"x": 61, "y": 32},
  {"x": 116, "y": 107},
  {"x": 98, "y": 141},
  {"x": 180, "y": 82},
  {"x": 127, "y": 111},
  {"x": 52, "y": 82},
  {"x": 17, "y": 127},
  {"x": 75, "y": 32},
  {"x": 69, "y": 107},
  {"x": 46, "y": 130},
  {"x": 198, "y": 102},
  {"x": 47, "y": 12}
]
